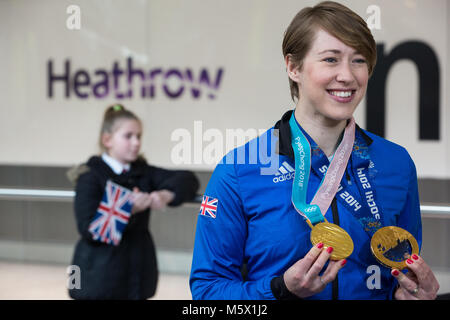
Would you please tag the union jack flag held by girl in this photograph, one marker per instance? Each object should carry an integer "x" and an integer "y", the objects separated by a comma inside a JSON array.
[{"x": 112, "y": 214}]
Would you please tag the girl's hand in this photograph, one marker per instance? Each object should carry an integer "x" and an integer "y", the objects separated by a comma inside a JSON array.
[
  {"x": 302, "y": 278},
  {"x": 418, "y": 284},
  {"x": 160, "y": 199},
  {"x": 141, "y": 201}
]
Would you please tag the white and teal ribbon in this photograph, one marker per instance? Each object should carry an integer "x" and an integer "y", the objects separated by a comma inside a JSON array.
[{"x": 316, "y": 210}]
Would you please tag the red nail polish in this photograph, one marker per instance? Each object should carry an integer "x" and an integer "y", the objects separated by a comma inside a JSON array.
[
  {"x": 343, "y": 263},
  {"x": 395, "y": 273},
  {"x": 330, "y": 249},
  {"x": 415, "y": 257},
  {"x": 409, "y": 261},
  {"x": 320, "y": 245}
]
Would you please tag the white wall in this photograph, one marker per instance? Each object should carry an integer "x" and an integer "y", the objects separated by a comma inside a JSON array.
[{"x": 241, "y": 37}]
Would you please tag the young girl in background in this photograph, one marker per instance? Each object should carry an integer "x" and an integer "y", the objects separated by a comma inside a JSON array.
[{"x": 127, "y": 269}]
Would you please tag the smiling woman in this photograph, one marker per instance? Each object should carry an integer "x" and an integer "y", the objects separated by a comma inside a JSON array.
[
  {"x": 338, "y": 21},
  {"x": 331, "y": 82},
  {"x": 348, "y": 184}
]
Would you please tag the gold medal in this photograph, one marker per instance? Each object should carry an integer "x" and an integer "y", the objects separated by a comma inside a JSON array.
[
  {"x": 392, "y": 246},
  {"x": 331, "y": 235}
]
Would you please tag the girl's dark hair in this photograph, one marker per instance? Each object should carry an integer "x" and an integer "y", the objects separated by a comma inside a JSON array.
[{"x": 112, "y": 114}]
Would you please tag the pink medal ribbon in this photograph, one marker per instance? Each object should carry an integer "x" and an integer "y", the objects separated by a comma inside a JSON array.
[{"x": 330, "y": 184}]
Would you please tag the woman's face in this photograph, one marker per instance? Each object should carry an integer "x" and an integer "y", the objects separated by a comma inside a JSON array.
[{"x": 333, "y": 79}]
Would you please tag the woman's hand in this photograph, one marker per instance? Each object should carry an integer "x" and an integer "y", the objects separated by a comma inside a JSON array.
[
  {"x": 418, "y": 284},
  {"x": 302, "y": 278},
  {"x": 160, "y": 199}
]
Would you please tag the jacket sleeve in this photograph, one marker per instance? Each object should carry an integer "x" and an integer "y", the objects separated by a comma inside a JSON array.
[
  {"x": 88, "y": 195},
  {"x": 183, "y": 183},
  {"x": 220, "y": 245}
]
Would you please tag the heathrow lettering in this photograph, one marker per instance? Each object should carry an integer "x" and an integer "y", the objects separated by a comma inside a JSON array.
[{"x": 130, "y": 81}]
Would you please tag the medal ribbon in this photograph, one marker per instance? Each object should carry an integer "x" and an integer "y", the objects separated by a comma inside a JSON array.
[
  {"x": 323, "y": 197},
  {"x": 370, "y": 218},
  {"x": 359, "y": 197}
]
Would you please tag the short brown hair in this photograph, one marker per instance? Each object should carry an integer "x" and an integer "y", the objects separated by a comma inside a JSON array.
[
  {"x": 336, "y": 19},
  {"x": 112, "y": 114}
]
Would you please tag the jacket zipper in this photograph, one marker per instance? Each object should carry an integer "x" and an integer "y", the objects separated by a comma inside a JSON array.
[{"x": 335, "y": 284}]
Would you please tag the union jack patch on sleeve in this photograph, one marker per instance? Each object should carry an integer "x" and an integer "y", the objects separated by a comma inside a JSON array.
[{"x": 208, "y": 207}]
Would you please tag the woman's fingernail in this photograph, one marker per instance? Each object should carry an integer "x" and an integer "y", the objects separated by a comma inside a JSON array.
[
  {"x": 409, "y": 261},
  {"x": 330, "y": 249},
  {"x": 415, "y": 257},
  {"x": 343, "y": 262},
  {"x": 320, "y": 245},
  {"x": 395, "y": 272}
]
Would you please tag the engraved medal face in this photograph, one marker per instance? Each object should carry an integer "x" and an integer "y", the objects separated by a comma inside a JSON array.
[
  {"x": 332, "y": 235},
  {"x": 392, "y": 246}
]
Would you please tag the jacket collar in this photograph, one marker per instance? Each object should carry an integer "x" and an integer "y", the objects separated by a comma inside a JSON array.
[
  {"x": 137, "y": 168},
  {"x": 115, "y": 165},
  {"x": 285, "y": 147}
]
